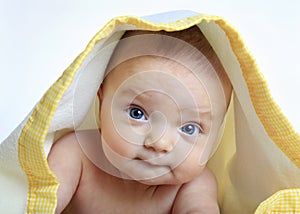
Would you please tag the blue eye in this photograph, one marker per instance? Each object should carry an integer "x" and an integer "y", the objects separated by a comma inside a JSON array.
[
  {"x": 190, "y": 129},
  {"x": 136, "y": 113}
]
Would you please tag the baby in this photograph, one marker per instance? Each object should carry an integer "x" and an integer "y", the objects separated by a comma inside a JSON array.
[{"x": 162, "y": 106}]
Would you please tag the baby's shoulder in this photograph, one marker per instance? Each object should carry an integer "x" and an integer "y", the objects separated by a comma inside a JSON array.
[
  {"x": 65, "y": 160},
  {"x": 78, "y": 137},
  {"x": 73, "y": 142}
]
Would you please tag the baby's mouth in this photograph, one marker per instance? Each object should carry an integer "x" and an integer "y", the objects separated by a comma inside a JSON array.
[
  {"x": 152, "y": 168},
  {"x": 148, "y": 161},
  {"x": 143, "y": 160}
]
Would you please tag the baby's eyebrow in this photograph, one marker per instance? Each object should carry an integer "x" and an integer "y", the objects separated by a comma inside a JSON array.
[
  {"x": 205, "y": 111},
  {"x": 139, "y": 93},
  {"x": 129, "y": 91},
  {"x": 202, "y": 110},
  {"x": 136, "y": 94}
]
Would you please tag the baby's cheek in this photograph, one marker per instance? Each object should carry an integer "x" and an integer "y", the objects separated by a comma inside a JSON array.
[
  {"x": 190, "y": 168},
  {"x": 117, "y": 144}
]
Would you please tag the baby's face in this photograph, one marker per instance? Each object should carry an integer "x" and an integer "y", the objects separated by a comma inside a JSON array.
[{"x": 156, "y": 119}]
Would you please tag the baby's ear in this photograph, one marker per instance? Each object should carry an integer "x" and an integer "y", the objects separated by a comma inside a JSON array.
[{"x": 100, "y": 93}]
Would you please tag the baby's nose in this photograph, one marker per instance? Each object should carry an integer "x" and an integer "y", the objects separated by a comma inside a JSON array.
[
  {"x": 164, "y": 144},
  {"x": 161, "y": 138}
]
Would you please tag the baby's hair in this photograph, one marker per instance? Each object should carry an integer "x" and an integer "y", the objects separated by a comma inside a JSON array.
[{"x": 194, "y": 37}]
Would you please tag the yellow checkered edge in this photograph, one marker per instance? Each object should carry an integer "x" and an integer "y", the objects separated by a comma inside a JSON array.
[
  {"x": 284, "y": 201},
  {"x": 43, "y": 184}
]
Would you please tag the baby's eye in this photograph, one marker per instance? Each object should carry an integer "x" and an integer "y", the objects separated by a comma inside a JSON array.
[
  {"x": 190, "y": 129},
  {"x": 136, "y": 113}
]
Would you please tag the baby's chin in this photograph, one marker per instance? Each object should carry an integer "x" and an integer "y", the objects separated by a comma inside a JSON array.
[{"x": 172, "y": 177}]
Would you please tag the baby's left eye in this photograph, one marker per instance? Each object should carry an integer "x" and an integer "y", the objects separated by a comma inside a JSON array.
[{"x": 190, "y": 129}]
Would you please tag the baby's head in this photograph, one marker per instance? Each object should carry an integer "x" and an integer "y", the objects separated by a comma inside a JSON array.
[{"x": 163, "y": 102}]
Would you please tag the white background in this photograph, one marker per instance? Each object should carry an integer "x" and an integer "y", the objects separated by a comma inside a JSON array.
[{"x": 39, "y": 39}]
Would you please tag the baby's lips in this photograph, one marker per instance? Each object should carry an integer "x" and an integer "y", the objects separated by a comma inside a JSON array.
[
  {"x": 154, "y": 159},
  {"x": 153, "y": 163}
]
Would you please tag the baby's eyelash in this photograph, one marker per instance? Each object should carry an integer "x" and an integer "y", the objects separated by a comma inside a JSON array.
[
  {"x": 191, "y": 129},
  {"x": 137, "y": 113}
]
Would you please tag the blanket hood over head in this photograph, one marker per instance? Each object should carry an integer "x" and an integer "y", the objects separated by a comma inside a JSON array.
[{"x": 257, "y": 164}]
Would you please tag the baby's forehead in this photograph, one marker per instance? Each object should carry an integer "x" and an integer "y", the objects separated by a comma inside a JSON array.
[
  {"x": 187, "y": 48},
  {"x": 163, "y": 48},
  {"x": 148, "y": 73}
]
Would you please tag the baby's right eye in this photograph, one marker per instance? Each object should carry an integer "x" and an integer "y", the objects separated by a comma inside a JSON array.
[{"x": 137, "y": 113}]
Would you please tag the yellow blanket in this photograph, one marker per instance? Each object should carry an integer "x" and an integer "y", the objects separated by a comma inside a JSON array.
[{"x": 257, "y": 164}]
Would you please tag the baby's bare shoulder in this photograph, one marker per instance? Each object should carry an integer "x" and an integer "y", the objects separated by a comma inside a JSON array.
[
  {"x": 65, "y": 160},
  {"x": 68, "y": 151},
  {"x": 73, "y": 141}
]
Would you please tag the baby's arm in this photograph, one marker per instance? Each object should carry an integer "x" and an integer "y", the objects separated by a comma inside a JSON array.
[
  {"x": 198, "y": 196},
  {"x": 65, "y": 161}
]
